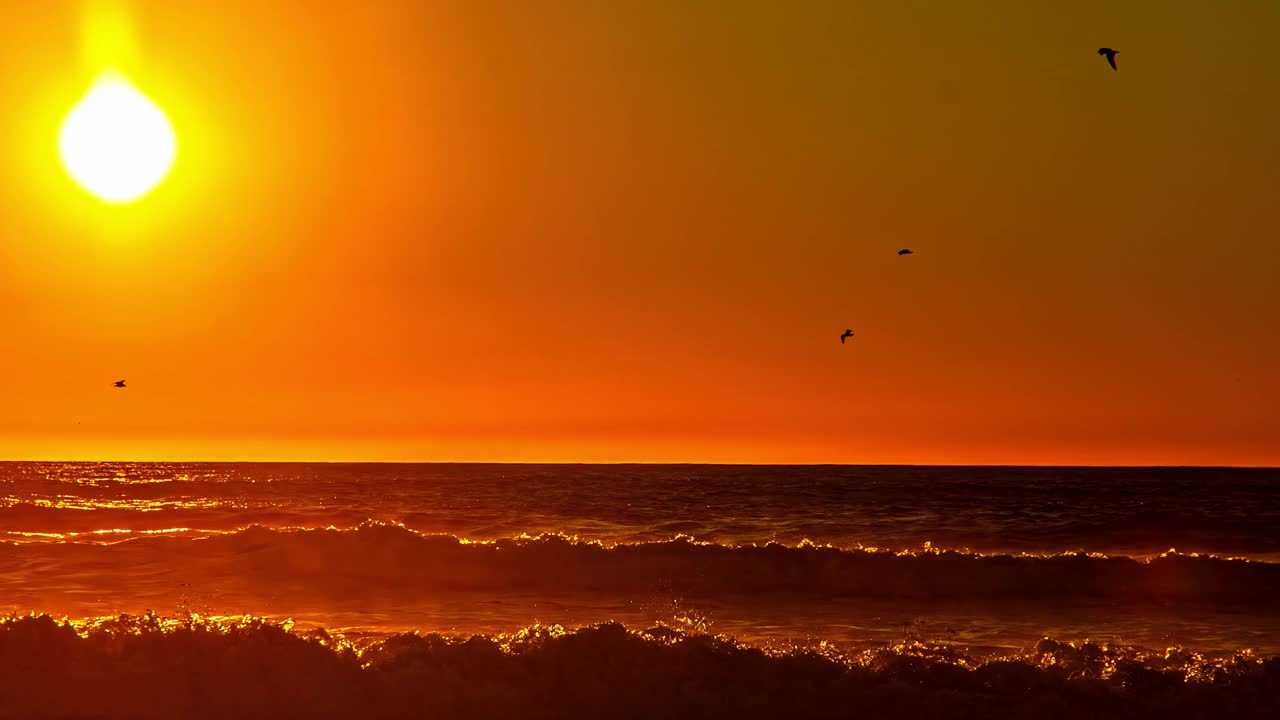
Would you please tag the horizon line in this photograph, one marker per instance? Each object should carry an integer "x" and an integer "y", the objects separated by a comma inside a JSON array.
[{"x": 1049, "y": 465}]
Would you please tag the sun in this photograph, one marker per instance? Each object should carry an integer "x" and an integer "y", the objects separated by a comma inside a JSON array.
[{"x": 116, "y": 143}]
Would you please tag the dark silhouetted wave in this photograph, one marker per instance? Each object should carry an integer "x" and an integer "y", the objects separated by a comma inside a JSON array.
[{"x": 148, "y": 667}]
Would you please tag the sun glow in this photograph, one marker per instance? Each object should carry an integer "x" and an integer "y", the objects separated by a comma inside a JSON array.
[{"x": 116, "y": 143}]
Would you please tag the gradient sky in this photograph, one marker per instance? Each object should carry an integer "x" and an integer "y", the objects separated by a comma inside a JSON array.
[{"x": 584, "y": 231}]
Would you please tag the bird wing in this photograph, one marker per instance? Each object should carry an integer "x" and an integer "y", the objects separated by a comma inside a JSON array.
[{"x": 1112, "y": 59}]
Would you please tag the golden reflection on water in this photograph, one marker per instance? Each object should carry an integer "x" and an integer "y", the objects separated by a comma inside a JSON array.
[
  {"x": 125, "y": 479},
  {"x": 101, "y": 533},
  {"x": 68, "y": 502}
]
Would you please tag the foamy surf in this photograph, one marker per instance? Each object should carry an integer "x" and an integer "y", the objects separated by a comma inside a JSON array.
[{"x": 154, "y": 667}]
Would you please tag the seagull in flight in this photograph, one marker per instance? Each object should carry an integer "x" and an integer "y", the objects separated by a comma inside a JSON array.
[
  {"x": 906, "y": 251},
  {"x": 847, "y": 334},
  {"x": 1111, "y": 56},
  {"x": 119, "y": 384}
]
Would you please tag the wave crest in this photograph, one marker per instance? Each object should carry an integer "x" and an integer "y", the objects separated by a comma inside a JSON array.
[
  {"x": 399, "y": 562},
  {"x": 392, "y": 555}
]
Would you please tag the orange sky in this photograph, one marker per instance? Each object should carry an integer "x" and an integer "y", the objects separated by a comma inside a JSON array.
[{"x": 584, "y": 231}]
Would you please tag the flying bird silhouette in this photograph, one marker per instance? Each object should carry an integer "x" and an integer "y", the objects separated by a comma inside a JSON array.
[
  {"x": 119, "y": 383},
  {"x": 847, "y": 334},
  {"x": 906, "y": 251},
  {"x": 1111, "y": 56}
]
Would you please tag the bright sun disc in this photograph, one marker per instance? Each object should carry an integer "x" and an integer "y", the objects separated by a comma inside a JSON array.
[{"x": 116, "y": 143}]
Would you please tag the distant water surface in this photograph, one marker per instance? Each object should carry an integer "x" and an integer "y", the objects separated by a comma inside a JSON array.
[{"x": 1113, "y": 510}]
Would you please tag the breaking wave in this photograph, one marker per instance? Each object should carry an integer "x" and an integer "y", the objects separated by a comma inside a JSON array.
[
  {"x": 399, "y": 561},
  {"x": 152, "y": 667}
]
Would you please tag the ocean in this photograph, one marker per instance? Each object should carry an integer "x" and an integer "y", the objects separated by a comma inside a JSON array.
[{"x": 1173, "y": 571}]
